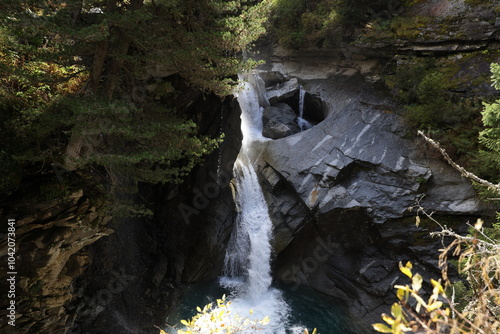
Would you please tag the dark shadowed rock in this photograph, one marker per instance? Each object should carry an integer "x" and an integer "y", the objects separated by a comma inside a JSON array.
[{"x": 279, "y": 121}]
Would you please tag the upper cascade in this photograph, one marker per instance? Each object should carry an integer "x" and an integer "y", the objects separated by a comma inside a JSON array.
[{"x": 292, "y": 109}]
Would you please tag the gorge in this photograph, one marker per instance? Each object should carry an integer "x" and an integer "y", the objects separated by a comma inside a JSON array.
[{"x": 311, "y": 194}]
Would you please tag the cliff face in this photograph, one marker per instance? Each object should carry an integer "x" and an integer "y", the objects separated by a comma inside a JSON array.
[
  {"x": 50, "y": 244},
  {"x": 339, "y": 195},
  {"x": 150, "y": 258}
]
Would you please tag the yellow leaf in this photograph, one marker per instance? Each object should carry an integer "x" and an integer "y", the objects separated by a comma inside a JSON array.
[
  {"x": 434, "y": 306},
  {"x": 396, "y": 310},
  {"x": 382, "y": 328},
  {"x": 438, "y": 288},
  {"x": 400, "y": 294},
  {"x": 416, "y": 282},
  {"x": 184, "y": 322},
  {"x": 387, "y": 319},
  {"x": 479, "y": 224},
  {"x": 417, "y": 221},
  {"x": 406, "y": 269}
]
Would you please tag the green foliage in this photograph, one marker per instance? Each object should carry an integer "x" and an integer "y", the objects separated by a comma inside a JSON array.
[
  {"x": 76, "y": 84},
  {"x": 426, "y": 87},
  {"x": 408, "y": 27},
  {"x": 490, "y": 136},
  {"x": 149, "y": 144},
  {"x": 200, "y": 40},
  {"x": 29, "y": 86},
  {"x": 432, "y": 103},
  {"x": 319, "y": 23}
]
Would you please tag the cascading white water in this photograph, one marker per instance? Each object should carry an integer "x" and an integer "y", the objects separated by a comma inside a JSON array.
[
  {"x": 250, "y": 245},
  {"x": 303, "y": 124},
  {"x": 247, "y": 267},
  {"x": 302, "y": 96},
  {"x": 248, "y": 257}
]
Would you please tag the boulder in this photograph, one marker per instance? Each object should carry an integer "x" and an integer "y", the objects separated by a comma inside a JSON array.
[
  {"x": 279, "y": 121},
  {"x": 275, "y": 130}
]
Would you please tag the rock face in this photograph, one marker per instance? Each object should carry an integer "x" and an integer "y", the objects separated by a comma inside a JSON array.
[
  {"x": 339, "y": 194},
  {"x": 51, "y": 237},
  {"x": 358, "y": 158},
  {"x": 138, "y": 272}
]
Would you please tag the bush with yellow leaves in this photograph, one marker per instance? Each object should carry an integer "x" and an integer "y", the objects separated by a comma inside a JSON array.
[
  {"x": 479, "y": 261},
  {"x": 220, "y": 319}
]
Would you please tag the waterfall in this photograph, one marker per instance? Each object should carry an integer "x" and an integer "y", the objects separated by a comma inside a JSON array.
[
  {"x": 303, "y": 124},
  {"x": 247, "y": 269},
  {"x": 249, "y": 252}
]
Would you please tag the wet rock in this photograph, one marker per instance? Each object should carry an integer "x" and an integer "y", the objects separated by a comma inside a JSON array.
[{"x": 279, "y": 121}]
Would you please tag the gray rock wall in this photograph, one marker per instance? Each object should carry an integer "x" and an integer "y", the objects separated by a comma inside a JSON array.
[{"x": 339, "y": 195}]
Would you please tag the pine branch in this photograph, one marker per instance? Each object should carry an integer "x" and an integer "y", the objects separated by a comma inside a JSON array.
[{"x": 463, "y": 171}]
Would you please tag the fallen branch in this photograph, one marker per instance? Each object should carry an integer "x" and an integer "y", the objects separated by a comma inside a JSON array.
[{"x": 463, "y": 171}]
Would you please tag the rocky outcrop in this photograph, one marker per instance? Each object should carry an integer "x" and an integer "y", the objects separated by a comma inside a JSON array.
[
  {"x": 339, "y": 195},
  {"x": 358, "y": 158},
  {"x": 438, "y": 28},
  {"x": 50, "y": 241}
]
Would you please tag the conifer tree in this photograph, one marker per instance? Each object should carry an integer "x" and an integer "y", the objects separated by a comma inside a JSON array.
[
  {"x": 490, "y": 137},
  {"x": 91, "y": 62}
]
